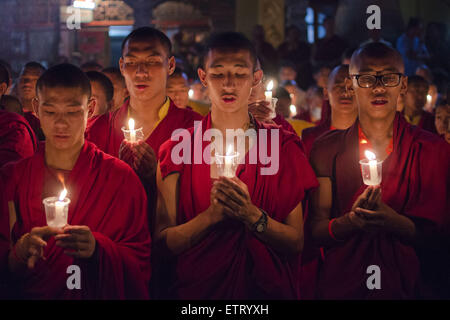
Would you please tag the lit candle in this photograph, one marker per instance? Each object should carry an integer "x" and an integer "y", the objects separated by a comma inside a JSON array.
[
  {"x": 293, "y": 110},
  {"x": 268, "y": 92},
  {"x": 374, "y": 179},
  {"x": 228, "y": 166},
  {"x": 429, "y": 98},
  {"x": 191, "y": 93},
  {"x": 59, "y": 210},
  {"x": 132, "y": 131}
]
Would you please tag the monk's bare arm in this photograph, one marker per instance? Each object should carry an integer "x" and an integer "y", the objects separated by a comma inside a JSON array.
[
  {"x": 319, "y": 216},
  {"x": 285, "y": 237},
  {"x": 171, "y": 238}
]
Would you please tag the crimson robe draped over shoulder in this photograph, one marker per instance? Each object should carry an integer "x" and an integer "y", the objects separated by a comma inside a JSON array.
[
  {"x": 106, "y": 196},
  {"x": 414, "y": 183},
  {"x": 17, "y": 140},
  {"x": 230, "y": 262},
  {"x": 309, "y": 135}
]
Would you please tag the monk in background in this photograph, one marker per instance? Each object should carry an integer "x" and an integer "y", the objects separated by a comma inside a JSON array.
[
  {"x": 17, "y": 139},
  {"x": 401, "y": 226}
]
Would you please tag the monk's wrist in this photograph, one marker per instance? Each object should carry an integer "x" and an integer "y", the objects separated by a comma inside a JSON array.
[{"x": 253, "y": 216}]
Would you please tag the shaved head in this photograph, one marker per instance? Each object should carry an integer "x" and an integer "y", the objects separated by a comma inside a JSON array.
[
  {"x": 337, "y": 75},
  {"x": 379, "y": 53}
]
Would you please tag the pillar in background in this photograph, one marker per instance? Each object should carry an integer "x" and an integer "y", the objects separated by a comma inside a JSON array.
[{"x": 142, "y": 10}]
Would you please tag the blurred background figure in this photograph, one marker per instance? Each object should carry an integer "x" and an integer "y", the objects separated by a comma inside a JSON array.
[
  {"x": 412, "y": 47},
  {"x": 267, "y": 55},
  {"x": 102, "y": 92},
  {"x": 120, "y": 87},
  {"x": 432, "y": 95},
  {"x": 91, "y": 66},
  {"x": 178, "y": 91},
  {"x": 11, "y": 104}
]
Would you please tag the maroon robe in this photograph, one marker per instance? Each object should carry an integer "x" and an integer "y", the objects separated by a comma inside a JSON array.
[
  {"x": 17, "y": 140},
  {"x": 230, "y": 262},
  {"x": 309, "y": 135},
  {"x": 414, "y": 183},
  {"x": 113, "y": 209},
  {"x": 281, "y": 121},
  {"x": 35, "y": 124},
  {"x": 427, "y": 122}
]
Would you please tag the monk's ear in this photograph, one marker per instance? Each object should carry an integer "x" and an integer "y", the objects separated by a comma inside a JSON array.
[
  {"x": 3, "y": 88},
  {"x": 91, "y": 106},
  {"x": 121, "y": 65},
  {"x": 349, "y": 86},
  {"x": 257, "y": 77},
  {"x": 403, "y": 85},
  {"x": 35, "y": 106},
  {"x": 172, "y": 65},
  {"x": 202, "y": 76}
]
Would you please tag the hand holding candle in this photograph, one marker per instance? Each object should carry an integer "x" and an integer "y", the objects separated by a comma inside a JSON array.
[{"x": 227, "y": 164}]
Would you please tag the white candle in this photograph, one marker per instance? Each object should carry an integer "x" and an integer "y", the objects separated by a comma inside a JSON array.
[
  {"x": 191, "y": 93},
  {"x": 228, "y": 165},
  {"x": 132, "y": 131},
  {"x": 59, "y": 210},
  {"x": 293, "y": 110},
  {"x": 268, "y": 93},
  {"x": 372, "y": 167}
]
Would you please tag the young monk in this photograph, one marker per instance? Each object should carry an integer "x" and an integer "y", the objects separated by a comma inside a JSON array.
[
  {"x": 102, "y": 92},
  {"x": 343, "y": 108},
  {"x": 398, "y": 227},
  {"x": 414, "y": 102},
  {"x": 146, "y": 63},
  {"x": 120, "y": 87},
  {"x": 17, "y": 139},
  {"x": 232, "y": 238},
  {"x": 106, "y": 235}
]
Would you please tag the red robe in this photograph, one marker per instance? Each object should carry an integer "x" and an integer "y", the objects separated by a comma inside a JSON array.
[
  {"x": 414, "y": 183},
  {"x": 230, "y": 262},
  {"x": 281, "y": 121},
  {"x": 309, "y": 135},
  {"x": 114, "y": 210},
  {"x": 17, "y": 140},
  {"x": 35, "y": 124},
  {"x": 427, "y": 122}
]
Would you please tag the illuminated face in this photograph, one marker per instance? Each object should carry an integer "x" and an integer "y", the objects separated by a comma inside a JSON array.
[
  {"x": 416, "y": 97},
  {"x": 145, "y": 66},
  {"x": 27, "y": 84},
  {"x": 178, "y": 91},
  {"x": 340, "y": 98},
  {"x": 442, "y": 115},
  {"x": 63, "y": 115},
  {"x": 229, "y": 77},
  {"x": 378, "y": 101}
]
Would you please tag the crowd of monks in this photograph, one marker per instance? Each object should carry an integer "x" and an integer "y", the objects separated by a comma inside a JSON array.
[{"x": 142, "y": 225}]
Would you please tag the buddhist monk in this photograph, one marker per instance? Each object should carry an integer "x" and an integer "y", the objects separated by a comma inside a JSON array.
[
  {"x": 102, "y": 92},
  {"x": 232, "y": 237},
  {"x": 105, "y": 236},
  {"x": 343, "y": 108},
  {"x": 26, "y": 91},
  {"x": 385, "y": 241},
  {"x": 414, "y": 103},
  {"x": 120, "y": 87},
  {"x": 146, "y": 63},
  {"x": 17, "y": 139},
  {"x": 178, "y": 92}
]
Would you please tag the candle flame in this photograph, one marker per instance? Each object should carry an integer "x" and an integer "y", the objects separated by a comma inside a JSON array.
[
  {"x": 131, "y": 124},
  {"x": 293, "y": 108},
  {"x": 230, "y": 150},
  {"x": 191, "y": 93},
  {"x": 370, "y": 155},
  {"x": 429, "y": 97},
  {"x": 63, "y": 194},
  {"x": 270, "y": 85}
]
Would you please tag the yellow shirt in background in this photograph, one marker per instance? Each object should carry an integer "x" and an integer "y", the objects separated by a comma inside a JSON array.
[
  {"x": 199, "y": 107},
  {"x": 299, "y": 125}
]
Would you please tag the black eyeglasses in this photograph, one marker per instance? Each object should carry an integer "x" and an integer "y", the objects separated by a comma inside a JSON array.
[{"x": 369, "y": 80}]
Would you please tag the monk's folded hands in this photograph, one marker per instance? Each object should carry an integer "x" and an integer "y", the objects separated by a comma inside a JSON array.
[
  {"x": 260, "y": 110},
  {"x": 233, "y": 195}
]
